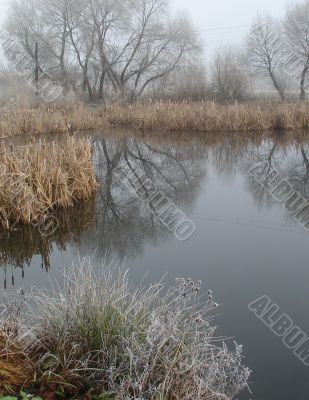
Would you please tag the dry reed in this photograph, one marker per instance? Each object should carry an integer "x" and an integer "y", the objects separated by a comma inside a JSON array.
[
  {"x": 44, "y": 176},
  {"x": 156, "y": 116},
  {"x": 26, "y": 119},
  {"x": 211, "y": 117}
]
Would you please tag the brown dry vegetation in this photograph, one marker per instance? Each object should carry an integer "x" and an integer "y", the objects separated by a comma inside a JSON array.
[
  {"x": 212, "y": 117},
  {"x": 26, "y": 119},
  {"x": 16, "y": 369},
  {"x": 157, "y": 116},
  {"x": 42, "y": 177}
]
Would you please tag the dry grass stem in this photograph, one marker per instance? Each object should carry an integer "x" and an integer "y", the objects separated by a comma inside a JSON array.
[
  {"x": 42, "y": 177},
  {"x": 156, "y": 116}
]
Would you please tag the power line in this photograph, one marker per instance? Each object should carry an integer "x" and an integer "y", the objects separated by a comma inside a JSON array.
[
  {"x": 223, "y": 33},
  {"x": 224, "y": 28}
]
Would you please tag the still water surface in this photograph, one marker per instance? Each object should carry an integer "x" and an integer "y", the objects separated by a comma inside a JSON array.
[{"x": 245, "y": 244}]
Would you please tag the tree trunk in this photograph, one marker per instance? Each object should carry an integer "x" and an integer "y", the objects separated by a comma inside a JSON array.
[
  {"x": 276, "y": 85},
  {"x": 37, "y": 68},
  {"x": 62, "y": 59},
  {"x": 86, "y": 83},
  {"x": 101, "y": 86},
  {"x": 303, "y": 80}
]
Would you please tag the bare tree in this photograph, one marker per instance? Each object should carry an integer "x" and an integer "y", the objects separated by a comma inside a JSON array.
[
  {"x": 296, "y": 26},
  {"x": 266, "y": 51},
  {"x": 19, "y": 29},
  {"x": 104, "y": 46},
  {"x": 150, "y": 45},
  {"x": 45, "y": 24},
  {"x": 229, "y": 78},
  {"x": 81, "y": 43}
]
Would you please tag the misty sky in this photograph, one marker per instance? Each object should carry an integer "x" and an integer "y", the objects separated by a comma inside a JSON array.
[{"x": 219, "y": 22}]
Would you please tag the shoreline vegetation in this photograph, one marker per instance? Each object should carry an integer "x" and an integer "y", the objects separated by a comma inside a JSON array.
[
  {"x": 99, "y": 338},
  {"x": 41, "y": 177},
  {"x": 161, "y": 116}
]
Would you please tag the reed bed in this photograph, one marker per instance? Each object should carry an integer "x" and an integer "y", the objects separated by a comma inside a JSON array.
[
  {"x": 42, "y": 177},
  {"x": 24, "y": 119},
  {"x": 211, "y": 117},
  {"x": 98, "y": 336},
  {"x": 156, "y": 116}
]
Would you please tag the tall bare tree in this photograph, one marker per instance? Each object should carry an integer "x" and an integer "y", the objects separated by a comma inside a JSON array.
[
  {"x": 118, "y": 47},
  {"x": 296, "y": 26},
  {"x": 266, "y": 51},
  {"x": 33, "y": 22}
]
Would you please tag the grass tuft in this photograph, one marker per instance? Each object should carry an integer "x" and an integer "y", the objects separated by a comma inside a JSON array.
[{"x": 98, "y": 335}]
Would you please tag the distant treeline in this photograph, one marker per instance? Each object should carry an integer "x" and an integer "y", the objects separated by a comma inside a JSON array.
[{"x": 102, "y": 50}]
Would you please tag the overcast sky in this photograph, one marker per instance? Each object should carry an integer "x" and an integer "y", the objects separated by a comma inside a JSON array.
[{"x": 219, "y": 22}]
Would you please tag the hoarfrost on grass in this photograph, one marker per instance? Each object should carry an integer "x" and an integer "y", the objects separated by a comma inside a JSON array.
[{"x": 155, "y": 343}]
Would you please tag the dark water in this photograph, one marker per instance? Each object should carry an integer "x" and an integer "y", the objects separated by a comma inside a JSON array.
[{"x": 245, "y": 245}]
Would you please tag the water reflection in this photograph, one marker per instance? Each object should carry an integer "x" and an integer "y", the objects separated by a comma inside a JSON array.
[
  {"x": 115, "y": 223},
  {"x": 118, "y": 224},
  {"x": 18, "y": 247},
  {"x": 289, "y": 163},
  {"x": 124, "y": 224}
]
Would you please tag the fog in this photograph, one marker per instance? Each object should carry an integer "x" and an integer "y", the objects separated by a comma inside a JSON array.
[{"x": 219, "y": 22}]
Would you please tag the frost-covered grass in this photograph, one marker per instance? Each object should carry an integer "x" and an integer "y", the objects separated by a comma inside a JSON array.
[{"x": 98, "y": 335}]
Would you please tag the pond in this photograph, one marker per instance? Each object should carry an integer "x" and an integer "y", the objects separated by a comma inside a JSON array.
[{"x": 245, "y": 243}]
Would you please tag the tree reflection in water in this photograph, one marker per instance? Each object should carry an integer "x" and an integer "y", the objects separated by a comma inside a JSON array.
[
  {"x": 116, "y": 222},
  {"x": 124, "y": 223},
  {"x": 119, "y": 225},
  {"x": 290, "y": 162},
  {"x": 18, "y": 247}
]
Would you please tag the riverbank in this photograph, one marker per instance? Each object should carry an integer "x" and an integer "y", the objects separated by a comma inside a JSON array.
[
  {"x": 156, "y": 116},
  {"x": 212, "y": 117},
  {"x": 100, "y": 337}
]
